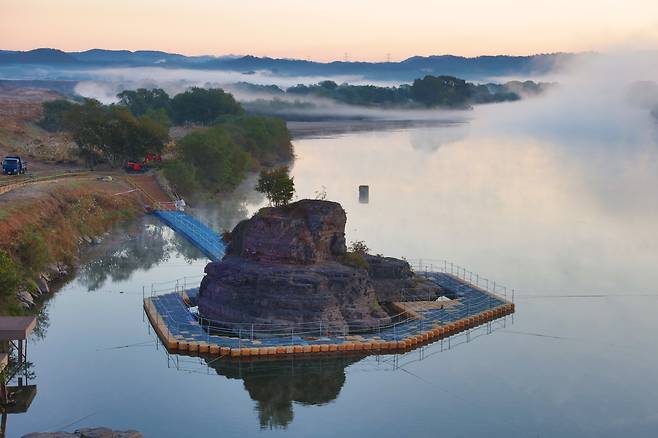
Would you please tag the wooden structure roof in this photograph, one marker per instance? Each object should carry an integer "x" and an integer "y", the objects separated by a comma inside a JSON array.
[{"x": 14, "y": 328}]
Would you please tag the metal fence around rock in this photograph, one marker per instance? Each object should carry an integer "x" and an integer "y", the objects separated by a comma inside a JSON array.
[{"x": 472, "y": 303}]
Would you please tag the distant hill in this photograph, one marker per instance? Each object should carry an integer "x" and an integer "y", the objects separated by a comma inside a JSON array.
[
  {"x": 37, "y": 56},
  {"x": 137, "y": 58},
  {"x": 66, "y": 88},
  {"x": 411, "y": 68},
  {"x": 408, "y": 69}
]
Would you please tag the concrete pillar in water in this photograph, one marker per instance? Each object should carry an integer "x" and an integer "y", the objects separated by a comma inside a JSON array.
[{"x": 364, "y": 194}]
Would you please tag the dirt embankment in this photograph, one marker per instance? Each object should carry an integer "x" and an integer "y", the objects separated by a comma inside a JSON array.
[
  {"x": 20, "y": 108},
  {"x": 46, "y": 215},
  {"x": 42, "y": 227}
]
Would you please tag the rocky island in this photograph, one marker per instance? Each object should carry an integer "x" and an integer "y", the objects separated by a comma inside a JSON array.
[{"x": 290, "y": 266}]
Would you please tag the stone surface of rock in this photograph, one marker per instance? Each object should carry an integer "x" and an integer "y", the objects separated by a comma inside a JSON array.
[
  {"x": 289, "y": 266},
  {"x": 283, "y": 266},
  {"x": 388, "y": 267},
  {"x": 263, "y": 293},
  {"x": 42, "y": 285},
  {"x": 306, "y": 232},
  {"x": 393, "y": 280},
  {"x": 25, "y": 299}
]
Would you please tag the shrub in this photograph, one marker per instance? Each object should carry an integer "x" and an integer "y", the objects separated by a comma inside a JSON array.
[
  {"x": 32, "y": 251},
  {"x": 181, "y": 174},
  {"x": 359, "y": 247},
  {"x": 10, "y": 274},
  {"x": 220, "y": 163},
  {"x": 107, "y": 133},
  {"x": 142, "y": 101},
  {"x": 354, "y": 259},
  {"x": 56, "y": 115},
  {"x": 266, "y": 138},
  {"x": 205, "y": 106},
  {"x": 446, "y": 91},
  {"x": 277, "y": 186},
  {"x": 218, "y": 158}
]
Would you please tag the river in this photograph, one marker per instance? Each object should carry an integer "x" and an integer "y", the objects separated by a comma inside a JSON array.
[{"x": 569, "y": 221}]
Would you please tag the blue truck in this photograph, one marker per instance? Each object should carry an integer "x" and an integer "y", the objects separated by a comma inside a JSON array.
[{"x": 13, "y": 165}]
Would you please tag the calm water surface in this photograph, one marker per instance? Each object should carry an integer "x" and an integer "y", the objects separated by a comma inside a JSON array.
[{"x": 570, "y": 223}]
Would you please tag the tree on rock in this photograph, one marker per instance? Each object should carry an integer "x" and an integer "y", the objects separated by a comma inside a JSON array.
[
  {"x": 359, "y": 247},
  {"x": 277, "y": 185}
]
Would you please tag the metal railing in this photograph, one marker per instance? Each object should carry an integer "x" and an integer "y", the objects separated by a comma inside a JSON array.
[
  {"x": 390, "y": 361},
  {"x": 165, "y": 206},
  {"x": 397, "y": 326},
  {"x": 178, "y": 285},
  {"x": 425, "y": 267},
  {"x": 201, "y": 235}
]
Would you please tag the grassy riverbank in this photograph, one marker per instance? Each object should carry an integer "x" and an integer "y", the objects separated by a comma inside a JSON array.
[
  {"x": 222, "y": 144},
  {"x": 42, "y": 228}
]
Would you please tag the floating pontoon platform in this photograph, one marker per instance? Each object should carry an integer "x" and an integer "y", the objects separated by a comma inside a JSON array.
[{"x": 424, "y": 322}]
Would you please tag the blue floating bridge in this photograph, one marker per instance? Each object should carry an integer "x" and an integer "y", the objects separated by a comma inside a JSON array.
[{"x": 200, "y": 234}]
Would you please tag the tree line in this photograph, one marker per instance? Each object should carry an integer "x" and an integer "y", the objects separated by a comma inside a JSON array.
[
  {"x": 427, "y": 92},
  {"x": 219, "y": 158},
  {"x": 214, "y": 158}
]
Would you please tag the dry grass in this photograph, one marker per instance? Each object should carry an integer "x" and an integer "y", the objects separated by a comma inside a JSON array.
[
  {"x": 63, "y": 213},
  {"x": 19, "y": 110}
]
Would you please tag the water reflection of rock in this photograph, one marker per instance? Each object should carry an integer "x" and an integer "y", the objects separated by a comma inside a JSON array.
[
  {"x": 137, "y": 246},
  {"x": 275, "y": 384},
  {"x": 143, "y": 244}
]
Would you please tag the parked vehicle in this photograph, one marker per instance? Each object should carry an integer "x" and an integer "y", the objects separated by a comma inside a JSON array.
[
  {"x": 134, "y": 166},
  {"x": 13, "y": 165}
]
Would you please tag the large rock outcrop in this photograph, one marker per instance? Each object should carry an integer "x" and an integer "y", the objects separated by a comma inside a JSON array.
[
  {"x": 394, "y": 280},
  {"x": 306, "y": 232},
  {"x": 289, "y": 265}
]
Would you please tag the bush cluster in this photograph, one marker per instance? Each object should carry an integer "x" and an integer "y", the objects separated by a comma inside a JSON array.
[
  {"x": 106, "y": 133},
  {"x": 429, "y": 91},
  {"x": 216, "y": 159},
  {"x": 10, "y": 274},
  {"x": 32, "y": 252},
  {"x": 354, "y": 259},
  {"x": 20, "y": 269},
  {"x": 277, "y": 185}
]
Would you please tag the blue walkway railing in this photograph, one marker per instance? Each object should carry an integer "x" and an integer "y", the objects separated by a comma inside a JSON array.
[
  {"x": 200, "y": 234},
  {"x": 470, "y": 300}
]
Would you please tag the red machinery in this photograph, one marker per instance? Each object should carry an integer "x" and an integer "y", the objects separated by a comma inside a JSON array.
[{"x": 136, "y": 166}]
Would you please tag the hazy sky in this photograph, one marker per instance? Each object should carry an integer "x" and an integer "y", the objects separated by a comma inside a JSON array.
[{"x": 324, "y": 30}]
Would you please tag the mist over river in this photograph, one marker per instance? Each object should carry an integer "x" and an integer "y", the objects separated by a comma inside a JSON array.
[{"x": 560, "y": 205}]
